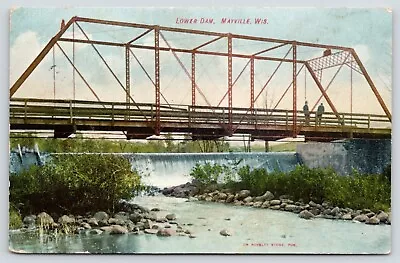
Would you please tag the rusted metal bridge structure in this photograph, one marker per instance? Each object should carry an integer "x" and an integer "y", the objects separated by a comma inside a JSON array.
[{"x": 140, "y": 120}]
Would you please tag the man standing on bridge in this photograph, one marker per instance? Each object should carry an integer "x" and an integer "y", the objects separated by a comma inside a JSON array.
[
  {"x": 320, "y": 111},
  {"x": 306, "y": 112}
]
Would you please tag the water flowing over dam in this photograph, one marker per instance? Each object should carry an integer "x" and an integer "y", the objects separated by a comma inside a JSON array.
[{"x": 168, "y": 169}]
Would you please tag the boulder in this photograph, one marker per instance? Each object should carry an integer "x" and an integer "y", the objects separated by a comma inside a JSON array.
[
  {"x": 148, "y": 224},
  {"x": 192, "y": 236},
  {"x": 135, "y": 217},
  {"x": 383, "y": 217},
  {"x": 155, "y": 209},
  {"x": 225, "y": 232},
  {"x": 335, "y": 211},
  {"x": 152, "y": 216},
  {"x": 243, "y": 194},
  {"x": 86, "y": 225},
  {"x": 151, "y": 231},
  {"x": 93, "y": 221},
  {"x": 257, "y": 204},
  {"x": 238, "y": 203},
  {"x": 171, "y": 217},
  {"x": 165, "y": 232},
  {"x": 44, "y": 219},
  {"x": 222, "y": 196},
  {"x": 230, "y": 198},
  {"x": 187, "y": 231},
  {"x": 370, "y": 214},
  {"x": 312, "y": 204},
  {"x": 106, "y": 229},
  {"x": 275, "y": 202},
  {"x": 347, "y": 216},
  {"x": 248, "y": 199},
  {"x": 268, "y": 196},
  {"x": 283, "y": 197},
  {"x": 100, "y": 216},
  {"x": 266, "y": 204},
  {"x": 361, "y": 218},
  {"x": 115, "y": 221},
  {"x": 290, "y": 208},
  {"x": 66, "y": 220},
  {"x": 208, "y": 199},
  {"x": 326, "y": 211},
  {"x": 275, "y": 207},
  {"x": 306, "y": 214},
  {"x": 259, "y": 199},
  {"x": 95, "y": 232},
  {"x": 140, "y": 225},
  {"x": 29, "y": 220},
  {"x": 373, "y": 221},
  {"x": 117, "y": 230}
]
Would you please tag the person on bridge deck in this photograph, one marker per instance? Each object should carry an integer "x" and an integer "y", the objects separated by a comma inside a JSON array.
[
  {"x": 320, "y": 111},
  {"x": 306, "y": 113}
]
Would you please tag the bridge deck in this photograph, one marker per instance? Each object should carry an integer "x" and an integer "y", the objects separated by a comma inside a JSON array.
[{"x": 201, "y": 122}]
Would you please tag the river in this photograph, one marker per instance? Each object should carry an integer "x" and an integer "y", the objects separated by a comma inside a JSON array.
[{"x": 254, "y": 230}]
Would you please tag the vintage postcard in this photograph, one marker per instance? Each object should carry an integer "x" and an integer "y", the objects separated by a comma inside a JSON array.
[{"x": 200, "y": 130}]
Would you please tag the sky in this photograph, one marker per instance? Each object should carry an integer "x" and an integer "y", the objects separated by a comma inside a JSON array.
[{"x": 368, "y": 31}]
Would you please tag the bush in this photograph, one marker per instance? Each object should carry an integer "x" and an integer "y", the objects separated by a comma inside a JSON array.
[
  {"x": 310, "y": 184},
  {"x": 74, "y": 184},
  {"x": 15, "y": 220}
]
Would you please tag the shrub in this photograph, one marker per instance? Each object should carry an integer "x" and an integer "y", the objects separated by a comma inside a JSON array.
[
  {"x": 14, "y": 216},
  {"x": 75, "y": 184}
]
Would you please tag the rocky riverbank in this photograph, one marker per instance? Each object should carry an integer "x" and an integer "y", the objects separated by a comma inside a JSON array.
[
  {"x": 131, "y": 218},
  {"x": 282, "y": 203}
]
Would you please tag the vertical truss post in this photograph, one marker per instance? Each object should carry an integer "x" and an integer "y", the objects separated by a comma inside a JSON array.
[
  {"x": 193, "y": 80},
  {"x": 252, "y": 85},
  {"x": 230, "y": 84},
  {"x": 73, "y": 62},
  {"x": 127, "y": 80},
  {"x": 157, "y": 77},
  {"x": 294, "y": 89}
]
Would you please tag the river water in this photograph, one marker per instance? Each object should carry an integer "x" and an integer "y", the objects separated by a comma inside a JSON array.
[{"x": 254, "y": 230}]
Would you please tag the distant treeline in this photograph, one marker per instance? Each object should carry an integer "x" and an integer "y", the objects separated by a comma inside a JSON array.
[{"x": 81, "y": 144}]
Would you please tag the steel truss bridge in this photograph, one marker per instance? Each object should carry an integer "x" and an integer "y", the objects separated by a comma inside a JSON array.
[{"x": 140, "y": 120}]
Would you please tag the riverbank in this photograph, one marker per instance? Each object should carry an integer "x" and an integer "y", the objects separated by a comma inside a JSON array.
[{"x": 282, "y": 203}]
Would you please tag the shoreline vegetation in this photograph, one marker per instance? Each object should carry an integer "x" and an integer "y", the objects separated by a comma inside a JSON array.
[{"x": 311, "y": 193}]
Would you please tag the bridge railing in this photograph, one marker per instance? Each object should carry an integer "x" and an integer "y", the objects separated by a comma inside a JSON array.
[{"x": 119, "y": 111}]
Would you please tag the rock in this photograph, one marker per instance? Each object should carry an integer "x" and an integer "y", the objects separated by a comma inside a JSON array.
[
  {"x": 140, "y": 225},
  {"x": 383, "y": 217},
  {"x": 268, "y": 196},
  {"x": 151, "y": 231},
  {"x": 29, "y": 220},
  {"x": 155, "y": 227},
  {"x": 230, "y": 198},
  {"x": 266, "y": 204},
  {"x": 100, "y": 216},
  {"x": 366, "y": 211},
  {"x": 208, "y": 199},
  {"x": 115, "y": 221},
  {"x": 373, "y": 221},
  {"x": 312, "y": 204},
  {"x": 326, "y": 204},
  {"x": 315, "y": 211},
  {"x": 192, "y": 236},
  {"x": 187, "y": 231},
  {"x": 258, "y": 199},
  {"x": 93, "y": 221},
  {"x": 106, "y": 228},
  {"x": 148, "y": 224},
  {"x": 166, "y": 232},
  {"x": 291, "y": 208},
  {"x": 275, "y": 202},
  {"x": 117, "y": 230},
  {"x": 85, "y": 225},
  {"x": 95, "y": 232},
  {"x": 306, "y": 214},
  {"x": 135, "y": 217},
  {"x": 370, "y": 214},
  {"x": 167, "y": 226},
  {"x": 238, "y": 203},
  {"x": 222, "y": 196},
  {"x": 171, "y": 217},
  {"x": 44, "y": 219},
  {"x": 275, "y": 207},
  {"x": 326, "y": 212},
  {"x": 335, "y": 211},
  {"x": 103, "y": 223},
  {"x": 361, "y": 218},
  {"x": 243, "y": 194},
  {"x": 249, "y": 204},
  {"x": 173, "y": 222},
  {"x": 155, "y": 209},
  {"x": 257, "y": 204},
  {"x": 121, "y": 216},
  {"x": 225, "y": 232},
  {"x": 347, "y": 216}
]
